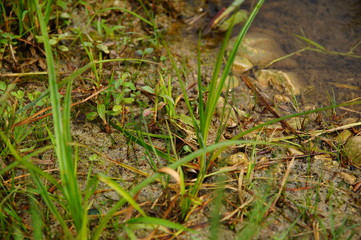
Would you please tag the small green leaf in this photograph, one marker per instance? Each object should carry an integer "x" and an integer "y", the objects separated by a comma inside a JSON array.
[
  {"x": 87, "y": 44},
  {"x": 101, "y": 112},
  {"x": 117, "y": 108},
  {"x": 63, "y": 48},
  {"x": 94, "y": 157},
  {"x": 91, "y": 116},
  {"x": 118, "y": 83},
  {"x": 103, "y": 48},
  {"x": 53, "y": 41},
  {"x": 2, "y": 85},
  {"x": 239, "y": 17},
  {"x": 18, "y": 94},
  {"x": 62, "y": 4},
  {"x": 187, "y": 149},
  {"x": 148, "y": 50},
  {"x": 148, "y": 89},
  {"x": 65, "y": 15},
  {"x": 39, "y": 39},
  {"x": 118, "y": 98},
  {"x": 129, "y": 85},
  {"x": 139, "y": 52},
  {"x": 128, "y": 100}
]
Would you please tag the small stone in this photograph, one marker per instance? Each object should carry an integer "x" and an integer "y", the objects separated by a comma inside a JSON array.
[
  {"x": 241, "y": 65},
  {"x": 112, "y": 195},
  {"x": 327, "y": 161},
  {"x": 348, "y": 178},
  {"x": 352, "y": 150},
  {"x": 237, "y": 159},
  {"x": 294, "y": 152}
]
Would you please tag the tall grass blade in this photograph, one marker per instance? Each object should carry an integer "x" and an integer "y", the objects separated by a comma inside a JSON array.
[
  {"x": 63, "y": 151},
  {"x": 216, "y": 87}
]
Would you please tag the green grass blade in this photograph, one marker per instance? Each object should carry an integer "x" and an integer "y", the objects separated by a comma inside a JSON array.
[
  {"x": 216, "y": 87},
  {"x": 122, "y": 193},
  {"x": 309, "y": 41},
  {"x": 63, "y": 151}
]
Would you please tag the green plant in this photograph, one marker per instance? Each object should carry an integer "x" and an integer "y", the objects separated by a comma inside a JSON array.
[
  {"x": 207, "y": 109},
  {"x": 113, "y": 101}
]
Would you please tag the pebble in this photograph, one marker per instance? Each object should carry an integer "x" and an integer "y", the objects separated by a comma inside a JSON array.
[
  {"x": 348, "y": 178},
  {"x": 294, "y": 152},
  {"x": 237, "y": 159}
]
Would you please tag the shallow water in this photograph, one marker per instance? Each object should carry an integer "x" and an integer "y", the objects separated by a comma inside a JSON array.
[{"x": 336, "y": 25}]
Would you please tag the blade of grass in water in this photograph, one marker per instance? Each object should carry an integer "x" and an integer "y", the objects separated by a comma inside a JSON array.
[{"x": 216, "y": 87}]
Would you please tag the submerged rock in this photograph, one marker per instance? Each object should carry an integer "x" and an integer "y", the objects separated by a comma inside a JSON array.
[
  {"x": 241, "y": 65},
  {"x": 260, "y": 49},
  {"x": 283, "y": 82}
]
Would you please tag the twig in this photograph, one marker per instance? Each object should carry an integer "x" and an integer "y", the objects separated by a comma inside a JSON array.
[
  {"x": 284, "y": 180},
  {"x": 266, "y": 104}
]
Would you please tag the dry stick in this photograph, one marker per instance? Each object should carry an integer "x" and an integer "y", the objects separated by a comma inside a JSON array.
[
  {"x": 284, "y": 180},
  {"x": 266, "y": 104},
  {"x": 34, "y": 117},
  {"x": 7, "y": 182},
  {"x": 22, "y": 74},
  {"x": 318, "y": 133}
]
